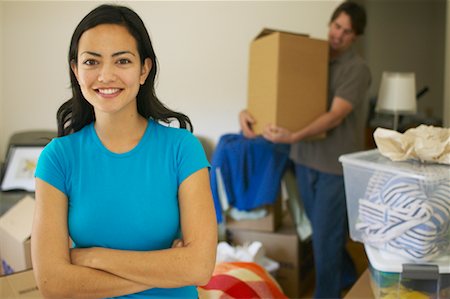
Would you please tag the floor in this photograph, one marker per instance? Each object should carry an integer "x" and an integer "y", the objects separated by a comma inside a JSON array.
[{"x": 358, "y": 254}]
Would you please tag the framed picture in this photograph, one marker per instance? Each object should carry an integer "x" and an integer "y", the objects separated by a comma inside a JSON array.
[{"x": 19, "y": 168}]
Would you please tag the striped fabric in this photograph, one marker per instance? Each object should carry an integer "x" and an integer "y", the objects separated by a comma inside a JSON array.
[
  {"x": 406, "y": 215},
  {"x": 240, "y": 280}
]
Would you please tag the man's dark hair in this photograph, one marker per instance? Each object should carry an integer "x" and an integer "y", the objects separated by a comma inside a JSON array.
[{"x": 356, "y": 13}]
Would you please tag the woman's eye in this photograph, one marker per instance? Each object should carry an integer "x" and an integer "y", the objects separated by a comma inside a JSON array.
[
  {"x": 90, "y": 62},
  {"x": 123, "y": 61}
]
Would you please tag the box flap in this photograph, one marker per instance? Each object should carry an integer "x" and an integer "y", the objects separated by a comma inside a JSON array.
[
  {"x": 18, "y": 220},
  {"x": 267, "y": 31},
  {"x": 19, "y": 285}
]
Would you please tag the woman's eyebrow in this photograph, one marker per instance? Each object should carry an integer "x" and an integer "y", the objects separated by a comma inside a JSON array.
[
  {"x": 90, "y": 53},
  {"x": 113, "y": 55},
  {"x": 123, "y": 52}
]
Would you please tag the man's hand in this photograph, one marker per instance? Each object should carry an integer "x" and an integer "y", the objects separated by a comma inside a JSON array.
[
  {"x": 246, "y": 122},
  {"x": 278, "y": 134}
]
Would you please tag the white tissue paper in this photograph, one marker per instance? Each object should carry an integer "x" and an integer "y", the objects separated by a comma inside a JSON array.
[
  {"x": 424, "y": 143},
  {"x": 249, "y": 252}
]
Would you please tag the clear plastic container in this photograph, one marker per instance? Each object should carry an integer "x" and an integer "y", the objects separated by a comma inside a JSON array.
[
  {"x": 402, "y": 207},
  {"x": 393, "y": 277}
]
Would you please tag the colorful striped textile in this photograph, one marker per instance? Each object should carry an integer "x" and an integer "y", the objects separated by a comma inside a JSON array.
[{"x": 235, "y": 280}]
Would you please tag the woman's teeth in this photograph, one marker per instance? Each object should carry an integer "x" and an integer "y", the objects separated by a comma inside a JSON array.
[{"x": 108, "y": 90}]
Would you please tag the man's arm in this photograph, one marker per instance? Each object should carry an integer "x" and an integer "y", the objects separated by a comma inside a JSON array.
[{"x": 340, "y": 108}]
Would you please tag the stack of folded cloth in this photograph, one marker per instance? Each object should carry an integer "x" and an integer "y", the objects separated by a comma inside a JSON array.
[{"x": 406, "y": 215}]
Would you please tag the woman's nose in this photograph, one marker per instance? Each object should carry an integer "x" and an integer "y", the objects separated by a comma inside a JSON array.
[{"x": 106, "y": 74}]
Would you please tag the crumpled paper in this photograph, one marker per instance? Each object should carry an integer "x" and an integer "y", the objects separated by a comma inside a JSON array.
[{"x": 424, "y": 143}]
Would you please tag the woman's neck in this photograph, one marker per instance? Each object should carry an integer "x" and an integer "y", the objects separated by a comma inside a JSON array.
[{"x": 120, "y": 134}]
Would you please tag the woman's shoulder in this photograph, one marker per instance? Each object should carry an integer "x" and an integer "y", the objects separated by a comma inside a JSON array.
[
  {"x": 69, "y": 141},
  {"x": 171, "y": 130},
  {"x": 175, "y": 137}
]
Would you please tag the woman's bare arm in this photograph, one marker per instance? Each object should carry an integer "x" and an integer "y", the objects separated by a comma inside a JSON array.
[{"x": 56, "y": 275}]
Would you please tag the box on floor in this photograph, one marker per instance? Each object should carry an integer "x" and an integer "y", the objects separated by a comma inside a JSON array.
[
  {"x": 268, "y": 223},
  {"x": 19, "y": 285},
  {"x": 15, "y": 233},
  {"x": 287, "y": 79},
  {"x": 295, "y": 274}
]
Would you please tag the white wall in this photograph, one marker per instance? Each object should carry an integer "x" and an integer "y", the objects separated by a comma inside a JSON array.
[
  {"x": 409, "y": 36},
  {"x": 202, "y": 47},
  {"x": 447, "y": 71}
]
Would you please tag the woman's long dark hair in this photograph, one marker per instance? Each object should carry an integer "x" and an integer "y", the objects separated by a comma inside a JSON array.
[{"x": 77, "y": 112}]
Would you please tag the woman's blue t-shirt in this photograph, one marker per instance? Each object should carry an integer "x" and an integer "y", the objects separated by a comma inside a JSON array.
[{"x": 124, "y": 201}]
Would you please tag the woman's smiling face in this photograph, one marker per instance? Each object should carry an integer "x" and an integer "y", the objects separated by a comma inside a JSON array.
[{"x": 109, "y": 69}]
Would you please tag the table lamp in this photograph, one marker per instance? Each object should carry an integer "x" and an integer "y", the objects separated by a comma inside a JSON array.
[{"x": 397, "y": 95}]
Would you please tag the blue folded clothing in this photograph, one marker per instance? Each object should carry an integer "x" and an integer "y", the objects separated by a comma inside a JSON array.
[{"x": 251, "y": 170}]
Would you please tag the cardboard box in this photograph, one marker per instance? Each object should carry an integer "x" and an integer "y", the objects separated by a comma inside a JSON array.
[
  {"x": 15, "y": 233},
  {"x": 19, "y": 285},
  {"x": 361, "y": 289},
  {"x": 287, "y": 79},
  {"x": 269, "y": 223},
  {"x": 295, "y": 274}
]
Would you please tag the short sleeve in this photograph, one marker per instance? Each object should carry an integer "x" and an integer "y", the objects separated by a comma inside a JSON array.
[
  {"x": 50, "y": 167},
  {"x": 354, "y": 83},
  {"x": 191, "y": 157}
]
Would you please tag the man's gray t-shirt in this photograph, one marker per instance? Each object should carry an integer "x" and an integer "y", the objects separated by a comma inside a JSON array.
[{"x": 349, "y": 78}]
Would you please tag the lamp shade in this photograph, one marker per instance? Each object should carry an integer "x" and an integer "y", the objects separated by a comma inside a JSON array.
[{"x": 397, "y": 94}]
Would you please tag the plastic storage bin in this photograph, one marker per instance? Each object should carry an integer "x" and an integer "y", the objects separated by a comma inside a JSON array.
[
  {"x": 402, "y": 207},
  {"x": 393, "y": 277}
]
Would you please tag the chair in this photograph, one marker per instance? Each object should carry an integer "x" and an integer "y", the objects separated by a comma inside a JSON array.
[
  {"x": 38, "y": 137},
  {"x": 21, "y": 157}
]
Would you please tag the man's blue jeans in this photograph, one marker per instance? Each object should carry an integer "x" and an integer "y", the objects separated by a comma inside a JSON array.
[{"x": 323, "y": 197}]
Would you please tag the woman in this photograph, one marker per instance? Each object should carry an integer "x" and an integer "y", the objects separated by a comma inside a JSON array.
[{"x": 132, "y": 194}]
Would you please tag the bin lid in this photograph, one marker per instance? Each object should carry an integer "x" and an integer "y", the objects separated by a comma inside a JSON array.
[
  {"x": 373, "y": 159},
  {"x": 385, "y": 261}
]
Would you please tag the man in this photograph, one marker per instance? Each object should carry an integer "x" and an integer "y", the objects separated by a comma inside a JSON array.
[{"x": 318, "y": 171}]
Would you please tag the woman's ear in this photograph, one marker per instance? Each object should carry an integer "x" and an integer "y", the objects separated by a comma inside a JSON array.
[
  {"x": 145, "y": 70},
  {"x": 73, "y": 66}
]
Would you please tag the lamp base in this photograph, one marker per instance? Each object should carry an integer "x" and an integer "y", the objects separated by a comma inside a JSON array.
[{"x": 395, "y": 121}]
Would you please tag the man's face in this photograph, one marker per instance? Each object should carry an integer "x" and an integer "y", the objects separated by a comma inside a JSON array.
[{"x": 340, "y": 33}]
